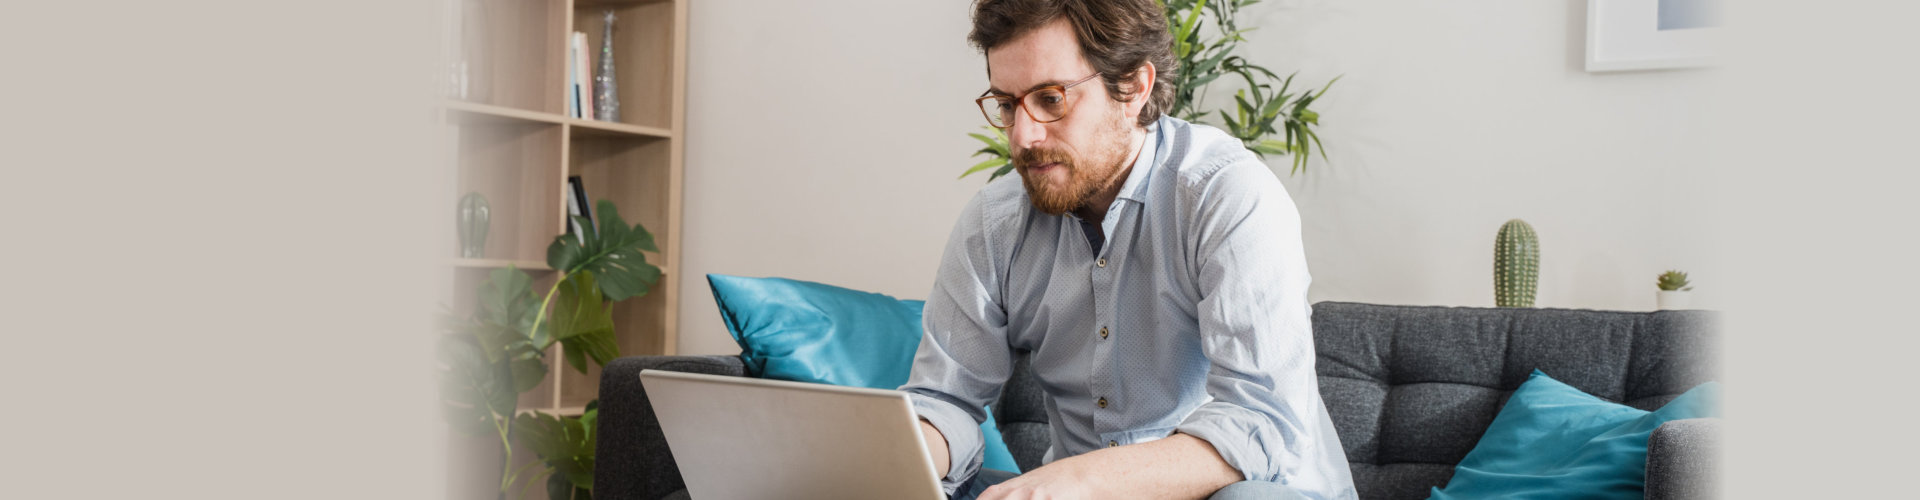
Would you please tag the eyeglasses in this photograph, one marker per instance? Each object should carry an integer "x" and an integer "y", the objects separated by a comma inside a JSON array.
[{"x": 1045, "y": 104}]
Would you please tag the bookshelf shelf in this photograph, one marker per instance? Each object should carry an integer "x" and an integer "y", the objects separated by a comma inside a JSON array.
[
  {"x": 474, "y": 112},
  {"x": 616, "y": 3},
  {"x": 524, "y": 265},
  {"x": 594, "y": 128},
  {"x": 570, "y": 411}
]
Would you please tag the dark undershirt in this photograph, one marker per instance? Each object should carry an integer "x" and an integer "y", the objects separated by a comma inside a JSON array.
[{"x": 1094, "y": 235}]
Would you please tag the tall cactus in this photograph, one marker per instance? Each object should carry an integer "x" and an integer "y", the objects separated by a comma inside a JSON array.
[{"x": 1516, "y": 264}]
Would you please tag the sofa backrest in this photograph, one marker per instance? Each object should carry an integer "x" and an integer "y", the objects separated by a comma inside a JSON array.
[{"x": 1411, "y": 388}]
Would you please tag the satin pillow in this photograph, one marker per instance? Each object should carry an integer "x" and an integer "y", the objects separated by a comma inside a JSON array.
[
  {"x": 1553, "y": 441},
  {"x": 812, "y": 332}
]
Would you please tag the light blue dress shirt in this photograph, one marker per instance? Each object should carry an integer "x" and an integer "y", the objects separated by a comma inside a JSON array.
[{"x": 1193, "y": 317}]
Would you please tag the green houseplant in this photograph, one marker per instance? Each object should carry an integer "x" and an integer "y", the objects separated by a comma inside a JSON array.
[
  {"x": 1268, "y": 115},
  {"x": 492, "y": 355},
  {"x": 1675, "y": 290},
  {"x": 1674, "y": 281}
]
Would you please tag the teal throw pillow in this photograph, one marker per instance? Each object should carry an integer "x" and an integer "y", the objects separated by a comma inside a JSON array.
[
  {"x": 1553, "y": 441},
  {"x": 812, "y": 332}
]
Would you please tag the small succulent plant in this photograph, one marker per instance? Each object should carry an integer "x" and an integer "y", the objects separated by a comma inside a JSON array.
[{"x": 1674, "y": 281}]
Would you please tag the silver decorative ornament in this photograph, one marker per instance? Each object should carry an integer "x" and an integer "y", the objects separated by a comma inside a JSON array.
[{"x": 606, "y": 94}]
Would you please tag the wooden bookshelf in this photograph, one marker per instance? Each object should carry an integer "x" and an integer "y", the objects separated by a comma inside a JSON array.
[{"x": 516, "y": 146}]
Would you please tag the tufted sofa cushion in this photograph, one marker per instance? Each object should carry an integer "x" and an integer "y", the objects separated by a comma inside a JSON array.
[
  {"x": 1411, "y": 389},
  {"x": 1021, "y": 413}
]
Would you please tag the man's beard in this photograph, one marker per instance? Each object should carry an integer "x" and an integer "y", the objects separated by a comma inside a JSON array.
[{"x": 1085, "y": 179}]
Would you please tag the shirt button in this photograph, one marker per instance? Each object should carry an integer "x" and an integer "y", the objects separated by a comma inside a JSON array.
[
  {"x": 1103, "y": 332},
  {"x": 1102, "y": 402},
  {"x": 1101, "y": 262},
  {"x": 1111, "y": 443}
]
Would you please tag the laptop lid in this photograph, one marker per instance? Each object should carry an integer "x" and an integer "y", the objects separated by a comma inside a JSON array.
[{"x": 739, "y": 438}]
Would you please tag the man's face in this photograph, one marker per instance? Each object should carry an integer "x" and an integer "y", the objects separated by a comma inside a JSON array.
[{"x": 1067, "y": 162}]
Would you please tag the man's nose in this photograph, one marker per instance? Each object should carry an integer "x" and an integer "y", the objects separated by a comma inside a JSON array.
[{"x": 1025, "y": 132}]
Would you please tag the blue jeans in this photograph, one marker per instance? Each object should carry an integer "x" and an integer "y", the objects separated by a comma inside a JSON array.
[{"x": 1244, "y": 490}]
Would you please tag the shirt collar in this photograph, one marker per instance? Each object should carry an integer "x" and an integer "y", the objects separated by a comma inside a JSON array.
[{"x": 1135, "y": 187}]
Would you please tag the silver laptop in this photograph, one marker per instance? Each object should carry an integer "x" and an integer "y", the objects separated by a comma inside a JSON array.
[{"x": 738, "y": 438}]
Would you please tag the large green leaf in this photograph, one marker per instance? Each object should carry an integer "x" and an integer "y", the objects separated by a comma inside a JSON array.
[
  {"x": 579, "y": 308},
  {"x": 507, "y": 297},
  {"x": 582, "y": 323},
  {"x": 565, "y": 444},
  {"x": 504, "y": 327},
  {"x": 504, "y": 345},
  {"x": 611, "y": 253},
  {"x": 474, "y": 393},
  {"x": 601, "y": 348}
]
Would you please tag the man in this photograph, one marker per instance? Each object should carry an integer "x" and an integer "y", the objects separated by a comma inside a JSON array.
[{"x": 1152, "y": 267}]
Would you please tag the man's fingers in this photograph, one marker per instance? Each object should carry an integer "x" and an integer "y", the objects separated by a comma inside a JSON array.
[{"x": 1003, "y": 492}]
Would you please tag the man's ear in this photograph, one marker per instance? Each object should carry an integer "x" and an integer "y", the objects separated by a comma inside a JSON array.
[{"x": 1140, "y": 90}]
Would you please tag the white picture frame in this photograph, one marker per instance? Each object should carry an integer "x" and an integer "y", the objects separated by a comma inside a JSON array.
[{"x": 1626, "y": 35}]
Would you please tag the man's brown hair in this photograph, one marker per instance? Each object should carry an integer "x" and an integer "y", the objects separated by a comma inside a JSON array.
[{"x": 1116, "y": 36}]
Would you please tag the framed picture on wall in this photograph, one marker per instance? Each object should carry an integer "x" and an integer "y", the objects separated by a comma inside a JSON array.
[{"x": 1625, "y": 35}]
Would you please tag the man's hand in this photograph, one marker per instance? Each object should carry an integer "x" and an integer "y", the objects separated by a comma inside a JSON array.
[
  {"x": 1064, "y": 479},
  {"x": 1180, "y": 466},
  {"x": 937, "y": 447}
]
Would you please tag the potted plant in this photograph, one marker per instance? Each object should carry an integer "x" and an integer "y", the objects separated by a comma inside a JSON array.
[
  {"x": 1674, "y": 290},
  {"x": 489, "y": 357},
  {"x": 1516, "y": 264}
]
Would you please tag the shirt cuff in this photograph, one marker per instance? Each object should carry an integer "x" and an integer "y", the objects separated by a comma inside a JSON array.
[
  {"x": 965, "y": 445},
  {"x": 1237, "y": 435}
]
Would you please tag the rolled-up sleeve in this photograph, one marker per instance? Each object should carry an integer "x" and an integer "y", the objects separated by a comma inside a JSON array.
[
  {"x": 1255, "y": 324},
  {"x": 963, "y": 357}
]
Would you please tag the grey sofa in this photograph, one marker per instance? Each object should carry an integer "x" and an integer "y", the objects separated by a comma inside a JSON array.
[{"x": 1410, "y": 390}]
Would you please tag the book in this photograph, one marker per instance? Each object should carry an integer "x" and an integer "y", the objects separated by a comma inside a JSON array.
[
  {"x": 573, "y": 85},
  {"x": 583, "y": 81},
  {"x": 578, "y": 205}
]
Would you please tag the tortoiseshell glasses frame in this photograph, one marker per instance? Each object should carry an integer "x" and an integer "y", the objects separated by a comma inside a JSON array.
[{"x": 1045, "y": 104}]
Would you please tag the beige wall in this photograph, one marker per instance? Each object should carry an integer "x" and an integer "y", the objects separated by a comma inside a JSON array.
[
  {"x": 1454, "y": 117},
  {"x": 824, "y": 138}
]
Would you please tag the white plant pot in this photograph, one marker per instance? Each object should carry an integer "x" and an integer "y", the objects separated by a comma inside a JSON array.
[{"x": 1675, "y": 300}]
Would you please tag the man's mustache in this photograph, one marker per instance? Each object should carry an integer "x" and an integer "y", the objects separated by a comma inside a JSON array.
[{"x": 1040, "y": 156}]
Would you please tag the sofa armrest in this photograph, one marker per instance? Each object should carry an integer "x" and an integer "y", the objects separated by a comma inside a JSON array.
[
  {"x": 633, "y": 462},
  {"x": 1681, "y": 457}
]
